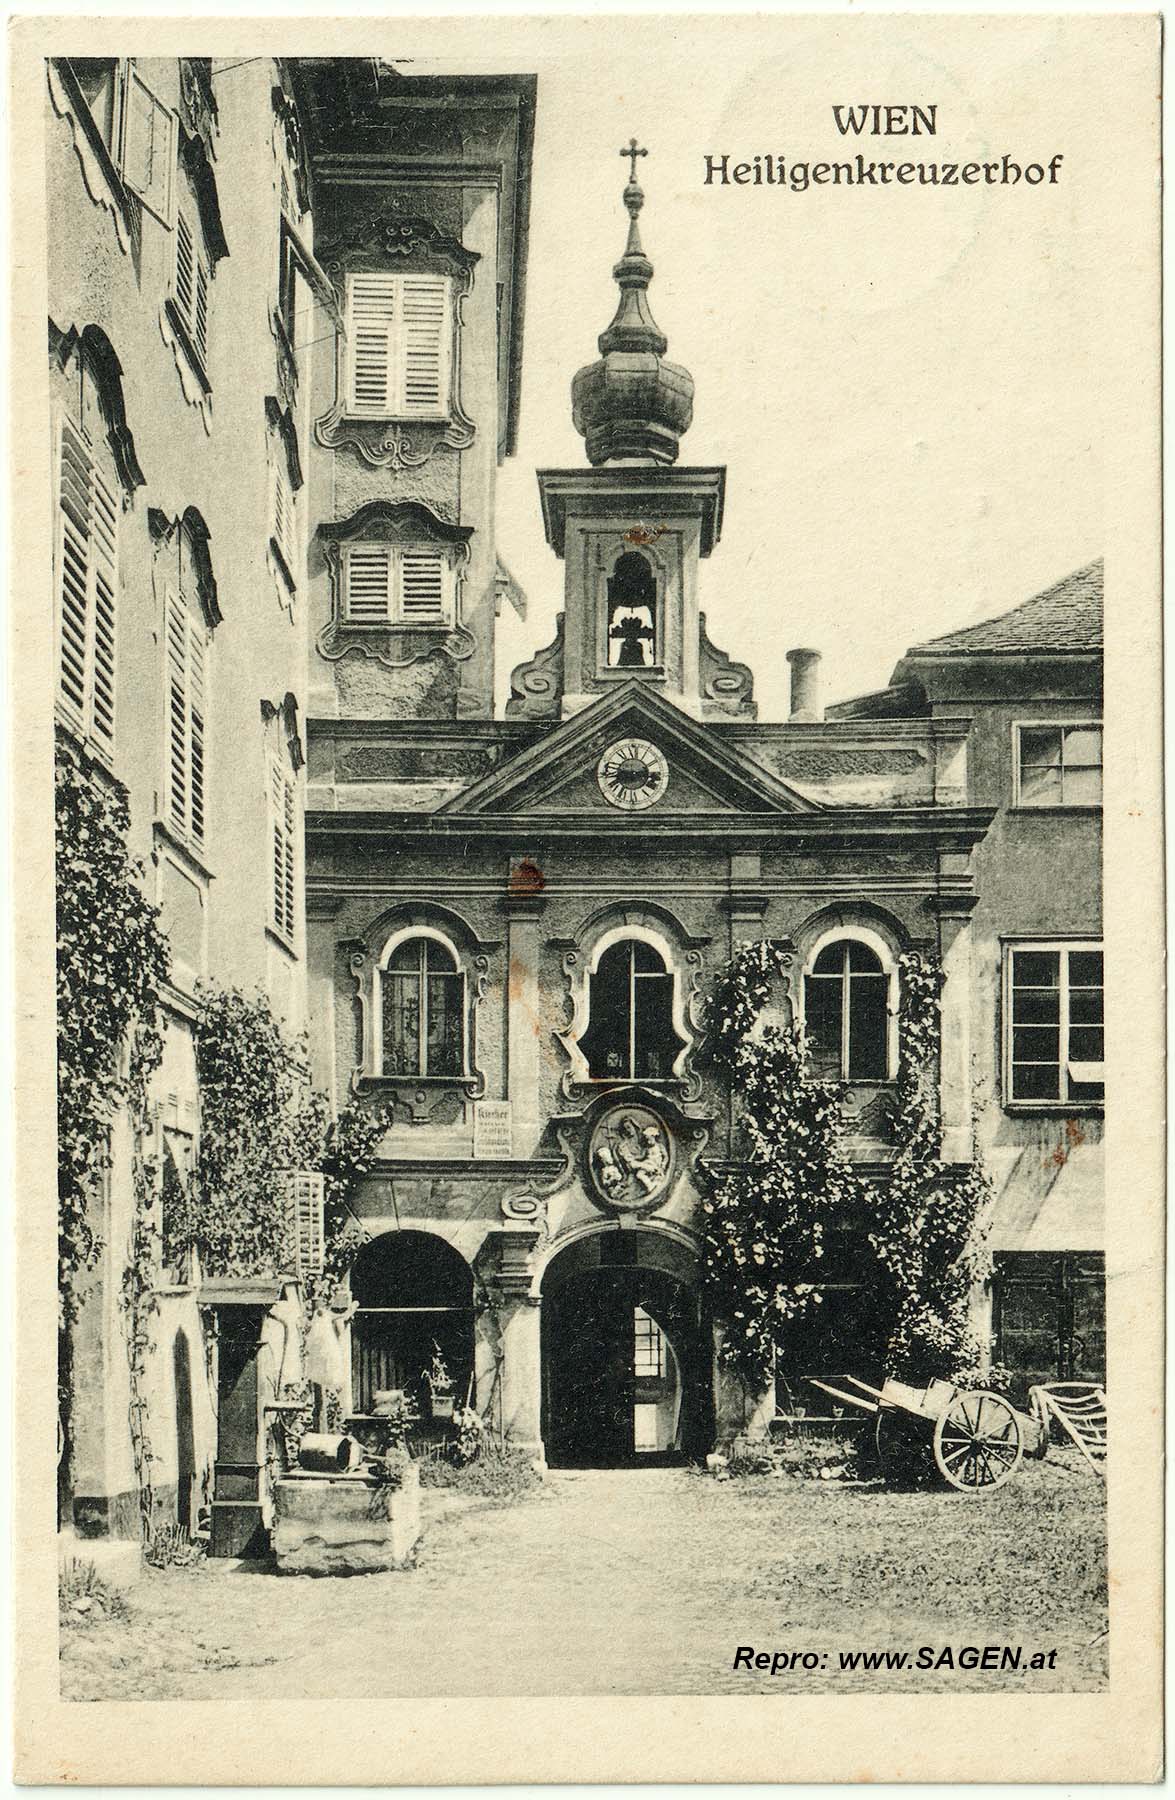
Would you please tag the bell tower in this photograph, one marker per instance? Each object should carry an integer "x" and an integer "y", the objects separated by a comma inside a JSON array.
[{"x": 631, "y": 528}]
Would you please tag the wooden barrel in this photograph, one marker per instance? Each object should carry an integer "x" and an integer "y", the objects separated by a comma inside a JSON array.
[{"x": 329, "y": 1454}]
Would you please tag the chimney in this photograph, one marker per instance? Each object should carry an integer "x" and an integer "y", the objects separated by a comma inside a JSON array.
[{"x": 805, "y": 687}]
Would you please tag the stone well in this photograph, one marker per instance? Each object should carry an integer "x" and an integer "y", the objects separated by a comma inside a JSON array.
[{"x": 344, "y": 1524}]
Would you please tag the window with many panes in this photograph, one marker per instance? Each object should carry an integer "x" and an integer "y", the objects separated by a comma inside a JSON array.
[
  {"x": 283, "y": 840},
  {"x": 399, "y": 345},
  {"x": 1054, "y": 1024},
  {"x": 648, "y": 1345},
  {"x": 1058, "y": 765},
  {"x": 846, "y": 1013},
  {"x": 398, "y": 584},
  {"x": 186, "y": 690},
  {"x": 630, "y": 1034},
  {"x": 422, "y": 994},
  {"x": 87, "y": 552}
]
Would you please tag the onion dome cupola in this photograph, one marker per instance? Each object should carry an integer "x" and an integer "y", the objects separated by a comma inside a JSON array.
[{"x": 632, "y": 406}]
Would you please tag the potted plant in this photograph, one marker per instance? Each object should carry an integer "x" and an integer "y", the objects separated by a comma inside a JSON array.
[{"x": 440, "y": 1385}]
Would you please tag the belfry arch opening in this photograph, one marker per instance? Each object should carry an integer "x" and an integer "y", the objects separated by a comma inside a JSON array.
[
  {"x": 414, "y": 1295},
  {"x": 632, "y": 614},
  {"x": 624, "y": 1354}
]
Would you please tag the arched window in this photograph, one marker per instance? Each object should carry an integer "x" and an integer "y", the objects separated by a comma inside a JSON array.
[
  {"x": 423, "y": 1008},
  {"x": 632, "y": 614},
  {"x": 630, "y": 1034},
  {"x": 846, "y": 1012}
]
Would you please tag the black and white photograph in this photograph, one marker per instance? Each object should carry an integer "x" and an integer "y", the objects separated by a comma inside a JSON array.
[{"x": 585, "y": 1138}]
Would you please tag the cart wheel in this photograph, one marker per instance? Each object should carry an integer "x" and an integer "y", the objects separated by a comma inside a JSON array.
[{"x": 977, "y": 1442}]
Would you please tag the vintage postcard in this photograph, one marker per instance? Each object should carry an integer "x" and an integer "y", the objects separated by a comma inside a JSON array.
[{"x": 588, "y": 770}]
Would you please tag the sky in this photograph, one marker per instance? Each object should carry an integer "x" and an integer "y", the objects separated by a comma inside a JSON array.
[{"x": 902, "y": 382}]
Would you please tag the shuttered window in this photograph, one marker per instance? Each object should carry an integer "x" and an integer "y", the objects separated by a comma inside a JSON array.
[
  {"x": 283, "y": 848},
  {"x": 283, "y": 520},
  {"x": 399, "y": 333},
  {"x": 191, "y": 283},
  {"x": 148, "y": 146},
  {"x": 185, "y": 793},
  {"x": 87, "y": 585},
  {"x": 398, "y": 584}
]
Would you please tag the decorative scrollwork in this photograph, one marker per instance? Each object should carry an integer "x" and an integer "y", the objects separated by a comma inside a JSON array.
[{"x": 536, "y": 687}]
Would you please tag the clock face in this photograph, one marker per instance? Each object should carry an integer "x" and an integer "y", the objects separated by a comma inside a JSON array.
[{"x": 632, "y": 774}]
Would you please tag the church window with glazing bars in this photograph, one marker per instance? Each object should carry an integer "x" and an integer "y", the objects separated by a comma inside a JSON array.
[
  {"x": 423, "y": 1010},
  {"x": 846, "y": 1013},
  {"x": 630, "y": 1034}
]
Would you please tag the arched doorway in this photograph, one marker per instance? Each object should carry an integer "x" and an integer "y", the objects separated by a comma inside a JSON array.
[
  {"x": 625, "y": 1363},
  {"x": 414, "y": 1294}
]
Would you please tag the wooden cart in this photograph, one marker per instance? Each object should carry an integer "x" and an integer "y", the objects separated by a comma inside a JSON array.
[{"x": 978, "y": 1438}]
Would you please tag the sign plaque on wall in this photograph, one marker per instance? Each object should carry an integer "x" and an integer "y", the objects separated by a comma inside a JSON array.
[{"x": 493, "y": 1134}]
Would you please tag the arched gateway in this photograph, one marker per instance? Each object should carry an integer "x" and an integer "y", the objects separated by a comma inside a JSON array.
[{"x": 624, "y": 1353}]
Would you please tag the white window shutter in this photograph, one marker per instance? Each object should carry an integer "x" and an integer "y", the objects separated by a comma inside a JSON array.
[
  {"x": 371, "y": 324},
  {"x": 307, "y": 1193},
  {"x": 196, "y": 716},
  {"x": 185, "y": 267},
  {"x": 200, "y": 320},
  {"x": 425, "y": 582},
  {"x": 187, "y": 682},
  {"x": 283, "y": 510},
  {"x": 424, "y": 345},
  {"x": 148, "y": 147},
  {"x": 368, "y": 584},
  {"x": 177, "y": 713},
  {"x": 283, "y": 838},
  {"x": 400, "y": 331},
  {"x": 73, "y": 600},
  {"x": 105, "y": 552},
  {"x": 88, "y": 579}
]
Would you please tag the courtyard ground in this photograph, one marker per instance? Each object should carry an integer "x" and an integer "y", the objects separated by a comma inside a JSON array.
[{"x": 641, "y": 1582}]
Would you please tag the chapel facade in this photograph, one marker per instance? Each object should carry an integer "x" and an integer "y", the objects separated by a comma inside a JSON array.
[{"x": 512, "y": 925}]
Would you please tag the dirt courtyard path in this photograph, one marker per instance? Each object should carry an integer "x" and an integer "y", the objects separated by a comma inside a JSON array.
[{"x": 637, "y": 1582}]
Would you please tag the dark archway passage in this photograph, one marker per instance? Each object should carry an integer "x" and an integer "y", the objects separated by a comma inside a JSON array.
[
  {"x": 415, "y": 1303},
  {"x": 625, "y": 1359}
]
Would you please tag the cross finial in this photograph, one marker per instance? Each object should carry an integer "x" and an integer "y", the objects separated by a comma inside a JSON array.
[{"x": 632, "y": 153}]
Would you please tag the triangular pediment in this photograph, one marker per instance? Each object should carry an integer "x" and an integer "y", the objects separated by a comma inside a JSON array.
[{"x": 694, "y": 770}]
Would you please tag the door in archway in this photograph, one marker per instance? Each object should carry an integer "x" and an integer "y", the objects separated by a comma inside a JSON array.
[{"x": 624, "y": 1374}]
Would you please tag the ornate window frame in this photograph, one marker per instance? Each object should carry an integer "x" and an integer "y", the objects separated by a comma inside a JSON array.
[
  {"x": 682, "y": 956},
  {"x": 391, "y": 245},
  {"x": 197, "y": 200},
  {"x": 366, "y": 960},
  {"x": 394, "y": 643}
]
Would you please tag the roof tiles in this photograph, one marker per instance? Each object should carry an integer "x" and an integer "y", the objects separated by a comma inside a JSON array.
[{"x": 1064, "y": 618}]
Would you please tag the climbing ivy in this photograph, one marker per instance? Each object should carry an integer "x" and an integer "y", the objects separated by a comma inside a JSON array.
[
  {"x": 768, "y": 1215},
  {"x": 260, "y": 1119},
  {"x": 112, "y": 962},
  {"x": 250, "y": 1076},
  {"x": 929, "y": 1218}
]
